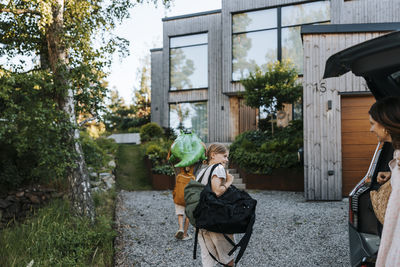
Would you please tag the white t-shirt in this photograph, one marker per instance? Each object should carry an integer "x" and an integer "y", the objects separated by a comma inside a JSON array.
[{"x": 219, "y": 171}]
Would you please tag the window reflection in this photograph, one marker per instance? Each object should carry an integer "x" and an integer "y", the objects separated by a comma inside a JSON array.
[
  {"x": 189, "y": 62},
  {"x": 255, "y": 36},
  {"x": 292, "y": 47},
  {"x": 188, "y": 67},
  {"x": 305, "y": 13},
  {"x": 252, "y": 50},
  {"x": 193, "y": 39},
  {"x": 298, "y": 110},
  {"x": 189, "y": 116},
  {"x": 255, "y": 20}
]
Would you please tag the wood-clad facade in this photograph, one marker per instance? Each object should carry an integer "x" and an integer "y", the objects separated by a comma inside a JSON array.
[
  {"x": 350, "y": 23},
  {"x": 327, "y": 172}
]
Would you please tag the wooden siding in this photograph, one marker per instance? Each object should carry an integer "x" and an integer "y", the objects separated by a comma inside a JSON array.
[
  {"x": 358, "y": 143},
  {"x": 157, "y": 100},
  {"x": 247, "y": 117},
  {"x": 188, "y": 96},
  {"x": 365, "y": 11},
  {"x": 234, "y": 116},
  {"x": 322, "y": 127},
  {"x": 218, "y": 103}
]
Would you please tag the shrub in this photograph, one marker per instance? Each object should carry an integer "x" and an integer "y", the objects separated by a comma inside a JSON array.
[
  {"x": 260, "y": 152},
  {"x": 94, "y": 155},
  {"x": 107, "y": 144},
  {"x": 157, "y": 152},
  {"x": 169, "y": 133},
  {"x": 150, "y": 131},
  {"x": 163, "y": 169},
  {"x": 97, "y": 151}
]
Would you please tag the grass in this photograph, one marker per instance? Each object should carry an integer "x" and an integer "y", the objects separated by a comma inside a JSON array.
[
  {"x": 53, "y": 237},
  {"x": 132, "y": 173}
]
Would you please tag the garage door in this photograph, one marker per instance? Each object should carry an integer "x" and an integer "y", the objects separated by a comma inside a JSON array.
[{"x": 358, "y": 144}]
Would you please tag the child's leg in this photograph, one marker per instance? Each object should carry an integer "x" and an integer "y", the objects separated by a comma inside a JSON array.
[
  {"x": 180, "y": 211},
  {"x": 206, "y": 246},
  {"x": 180, "y": 221},
  {"x": 185, "y": 229}
]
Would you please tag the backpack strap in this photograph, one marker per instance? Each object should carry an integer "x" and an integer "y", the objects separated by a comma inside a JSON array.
[
  {"x": 245, "y": 240},
  {"x": 195, "y": 243},
  {"x": 211, "y": 172},
  {"x": 206, "y": 169},
  {"x": 229, "y": 240}
]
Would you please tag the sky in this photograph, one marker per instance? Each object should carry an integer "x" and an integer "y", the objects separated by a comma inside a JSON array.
[{"x": 144, "y": 31}]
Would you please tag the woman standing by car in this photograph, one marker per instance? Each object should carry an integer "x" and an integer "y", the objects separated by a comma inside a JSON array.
[{"x": 385, "y": 123}]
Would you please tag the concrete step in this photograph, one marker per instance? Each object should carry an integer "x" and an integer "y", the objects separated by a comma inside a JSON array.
[
  {"x": 236, "y": 175},
  {"x": 240, "y": 186},
  {"x": 238, "y": 181},
  {"x": 232, "y": 171}
]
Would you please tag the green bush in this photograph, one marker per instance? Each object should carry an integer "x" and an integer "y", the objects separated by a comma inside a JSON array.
[
  {"x": 97, "y": 151},
  {"x": 157, "y": 152},
  {"x": 150, "y": 131},
  {"x": 33, "y": 131},
  {"x": 94, "y": 155},
  {"x": 261, "y": 152},
  {"x": 107, "y": 144},
  {"x": 163, "y": 169}
]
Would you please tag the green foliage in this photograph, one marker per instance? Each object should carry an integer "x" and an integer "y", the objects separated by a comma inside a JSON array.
[
  {"x": 94, "y": 155},
  {"x": 273, "y": 88},
  {"x": 53, "y": 237},
  {"x": 157, "y": 152},
  {"x": 261, "y": 152},
  {"x": 33, "y": 131},
  {"x": 34, "y": 128},
  {"x": 97, "y": 151},
  {"x": 150, "y": 131},
  {"x": 163, "y": 169},
  {"x": 121, "y": 118}
]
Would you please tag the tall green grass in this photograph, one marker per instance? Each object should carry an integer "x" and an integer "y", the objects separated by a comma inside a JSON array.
[
  {"x": 132, "y": 173},
  {"x": 53, "y": 237}
]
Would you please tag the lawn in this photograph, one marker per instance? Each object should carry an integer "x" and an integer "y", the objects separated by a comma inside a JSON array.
[{"x": 131, "y": 172}]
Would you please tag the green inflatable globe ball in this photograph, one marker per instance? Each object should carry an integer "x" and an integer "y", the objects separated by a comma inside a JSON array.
[{"x": 188, "y": 148}]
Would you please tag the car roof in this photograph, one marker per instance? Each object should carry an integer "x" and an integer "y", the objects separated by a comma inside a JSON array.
[{"x": 377, "y": 60}]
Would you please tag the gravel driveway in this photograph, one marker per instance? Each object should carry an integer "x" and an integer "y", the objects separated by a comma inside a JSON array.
[{"x": 288, "y": 232}]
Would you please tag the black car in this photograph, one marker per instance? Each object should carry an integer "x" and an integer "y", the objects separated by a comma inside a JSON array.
[{"x": 378, "y": 61}]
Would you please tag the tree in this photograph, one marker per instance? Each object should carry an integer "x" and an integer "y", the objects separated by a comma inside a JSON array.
[
  {"x": 62, "y": 34},
  {"x": 142, "y": 95},
  {"x": 272, "y": 89}
]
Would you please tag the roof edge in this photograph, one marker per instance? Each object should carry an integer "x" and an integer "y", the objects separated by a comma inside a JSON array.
[
  {"x": 156, "y": 49},
  {"x": 350, "y": 28},
  {"x": 192, "y": 15}
]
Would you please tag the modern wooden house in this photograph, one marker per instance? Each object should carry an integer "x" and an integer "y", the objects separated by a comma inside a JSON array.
[{"x": 195, "y": 77}]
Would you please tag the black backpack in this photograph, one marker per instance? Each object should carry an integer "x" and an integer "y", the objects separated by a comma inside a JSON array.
[{"x": 231, "y": 213}]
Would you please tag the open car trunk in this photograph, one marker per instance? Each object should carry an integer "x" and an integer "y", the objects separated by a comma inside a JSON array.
[{"x": 378, "y": 61}]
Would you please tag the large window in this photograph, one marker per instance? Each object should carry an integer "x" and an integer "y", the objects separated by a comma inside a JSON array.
[
  {"x": 189, "y": 117},
  {"x": 188, "y": 62},
  {"x": 262, "y": 36}
]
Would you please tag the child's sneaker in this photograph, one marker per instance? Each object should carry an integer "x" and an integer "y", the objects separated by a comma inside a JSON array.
[
  {"x": 188, "y": 237},
  {"x": 179, "y": 234}
]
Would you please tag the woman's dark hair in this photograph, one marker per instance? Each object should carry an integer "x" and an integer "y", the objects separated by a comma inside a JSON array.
[{"x": 386, "y": 112}]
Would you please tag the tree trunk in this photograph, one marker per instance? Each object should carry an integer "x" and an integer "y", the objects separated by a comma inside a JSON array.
[{"x": 78, "y": 177}]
